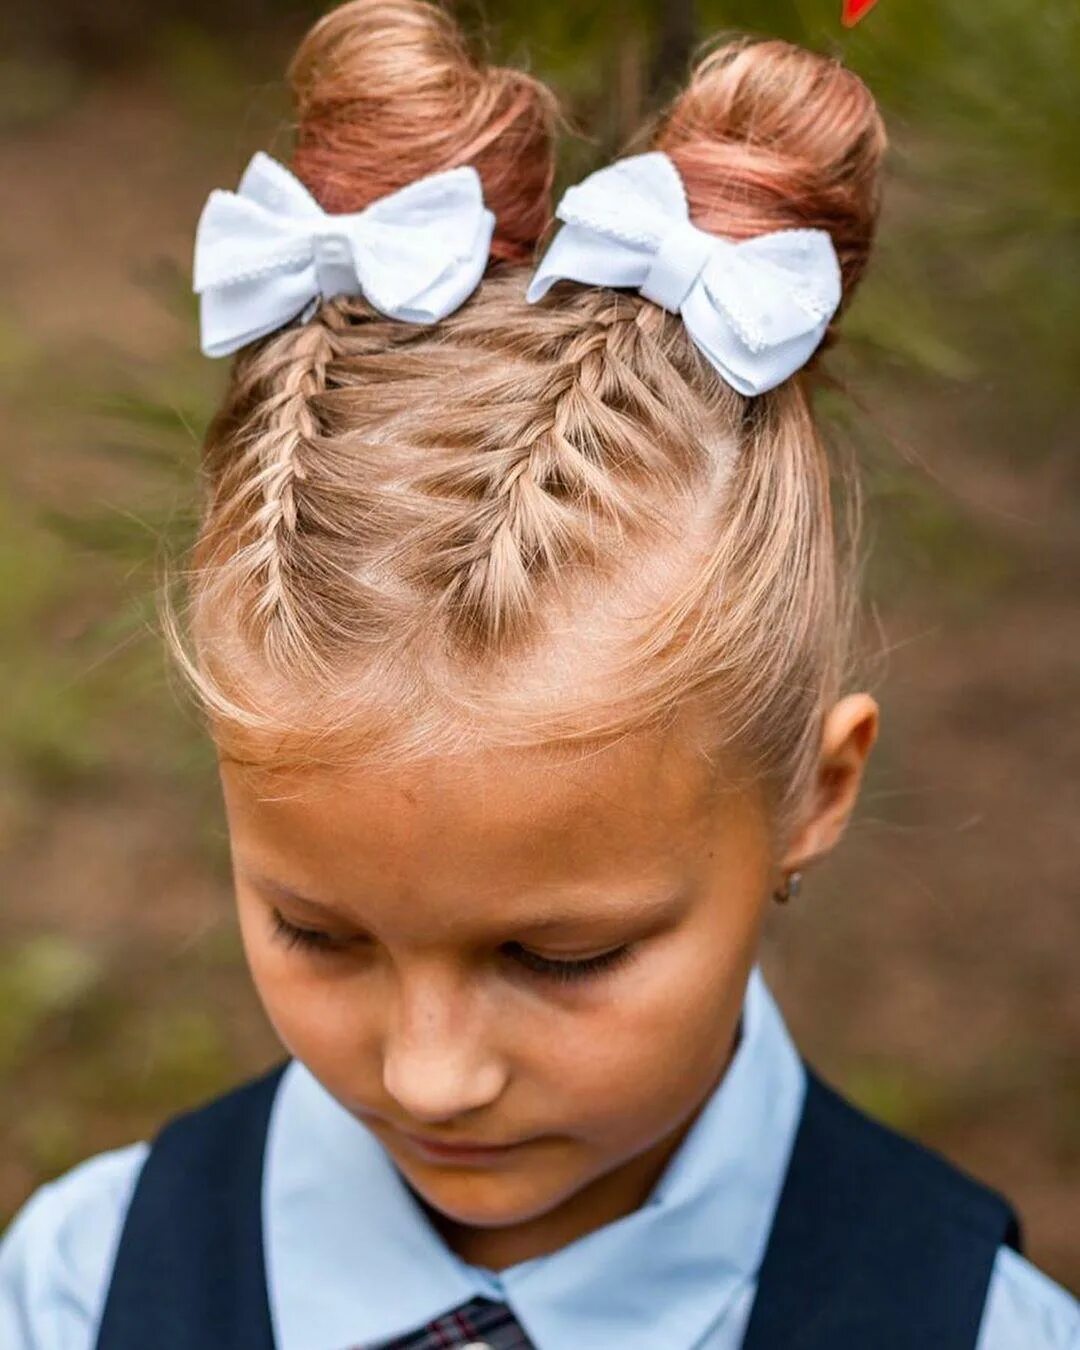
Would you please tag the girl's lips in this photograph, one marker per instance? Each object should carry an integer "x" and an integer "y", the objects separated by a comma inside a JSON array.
[{"x": 436, "y": 1151}]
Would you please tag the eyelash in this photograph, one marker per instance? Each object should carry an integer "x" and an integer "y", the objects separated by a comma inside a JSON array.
[{"x": 562, "y": 972}]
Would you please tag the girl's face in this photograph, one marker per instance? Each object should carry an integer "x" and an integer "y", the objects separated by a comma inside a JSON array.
[{"x": 545, "y": 961}]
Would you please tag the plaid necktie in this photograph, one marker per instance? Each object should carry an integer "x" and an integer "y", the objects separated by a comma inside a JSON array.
[{"x": 480, "y": 1324}]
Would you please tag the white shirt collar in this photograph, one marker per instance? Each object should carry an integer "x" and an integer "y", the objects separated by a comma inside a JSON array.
[{"x": 353, "y": 1260}]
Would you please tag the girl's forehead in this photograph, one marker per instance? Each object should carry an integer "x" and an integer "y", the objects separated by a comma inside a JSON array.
[
  {"x": 640, "y": 783},
  {"x": 619, "y": 823}
]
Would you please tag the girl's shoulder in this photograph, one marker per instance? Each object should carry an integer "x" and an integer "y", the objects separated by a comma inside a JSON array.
[
  {"x": 57, "y": 1253},
  {"x": 1025, "y": 1307}
]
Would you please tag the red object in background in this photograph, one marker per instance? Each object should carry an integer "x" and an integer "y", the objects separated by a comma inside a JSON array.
[{"x": 854, "y": 11}]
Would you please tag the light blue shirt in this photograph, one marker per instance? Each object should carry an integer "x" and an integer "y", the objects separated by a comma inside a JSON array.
[{"x": 353, "y": 1260}]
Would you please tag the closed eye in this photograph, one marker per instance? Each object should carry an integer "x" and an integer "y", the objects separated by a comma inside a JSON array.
[
  {"x": 292, "y": 935},
  {"x": 566, "y": 970},
  {"x": 562, "y": 970}
]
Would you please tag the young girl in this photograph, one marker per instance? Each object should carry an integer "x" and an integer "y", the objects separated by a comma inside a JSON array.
[{"x": 520, "y": 619}]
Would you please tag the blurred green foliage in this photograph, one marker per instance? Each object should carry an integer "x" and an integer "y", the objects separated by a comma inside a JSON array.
[{"x": 46, "y": 975}]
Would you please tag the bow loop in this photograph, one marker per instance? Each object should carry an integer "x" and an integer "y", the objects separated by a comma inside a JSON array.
[
  {"x": 756, "y": 309},
  {"x": 633, "y": 201},
  {"x": 775, "y": 287},
  {"x": 268, "y": 252}
]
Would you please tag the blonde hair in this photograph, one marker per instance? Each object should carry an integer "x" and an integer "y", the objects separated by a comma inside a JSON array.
[{"x": 547, "y": 525}]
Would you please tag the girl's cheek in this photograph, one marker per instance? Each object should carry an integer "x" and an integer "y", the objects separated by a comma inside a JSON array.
[{"x": 308, "y": 1012}]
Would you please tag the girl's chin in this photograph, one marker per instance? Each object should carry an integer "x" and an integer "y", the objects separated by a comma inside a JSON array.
[{"x": 475, "y": 1198}]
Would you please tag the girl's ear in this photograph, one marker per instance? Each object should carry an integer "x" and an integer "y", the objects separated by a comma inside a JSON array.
[{"x": 848, "y": 735}]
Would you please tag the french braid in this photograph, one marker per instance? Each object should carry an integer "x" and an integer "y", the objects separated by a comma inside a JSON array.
[
  {"x": 255, "y": 501},
  {"x": 569, "y": 476}
]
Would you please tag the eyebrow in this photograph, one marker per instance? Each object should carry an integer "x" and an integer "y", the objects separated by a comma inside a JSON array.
[{"x": 636, "y": 908}]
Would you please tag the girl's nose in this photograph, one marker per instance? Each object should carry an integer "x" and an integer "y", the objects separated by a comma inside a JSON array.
[{"x": 438, "y": 1061}]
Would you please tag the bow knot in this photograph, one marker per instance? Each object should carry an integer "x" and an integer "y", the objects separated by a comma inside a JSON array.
[
  {"x": 269, "y": 253},
  {"x": 679, "y": 260},
  {"x": 756, "y": 309}
]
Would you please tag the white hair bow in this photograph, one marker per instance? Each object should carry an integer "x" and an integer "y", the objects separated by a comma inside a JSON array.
[
  {"x": 269, "y": 252},
  {"x": 757, "y": 309}
]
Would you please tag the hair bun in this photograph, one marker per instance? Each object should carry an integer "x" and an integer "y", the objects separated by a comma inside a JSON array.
[
  {"x": 386, "y": 91},
  {"x": 770, "y": 136}
]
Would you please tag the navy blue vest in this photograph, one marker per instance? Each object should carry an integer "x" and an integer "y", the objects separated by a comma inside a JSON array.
[{"x": 876, "y": 1241}]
